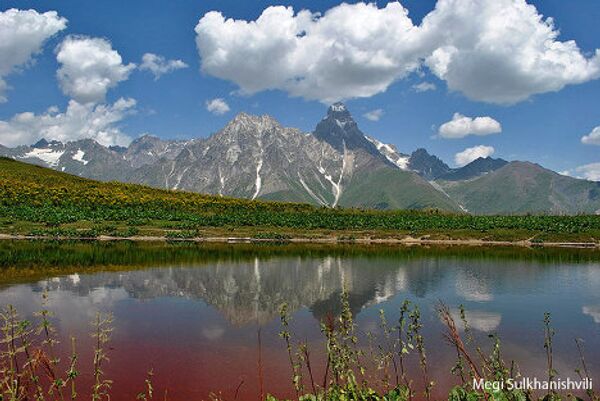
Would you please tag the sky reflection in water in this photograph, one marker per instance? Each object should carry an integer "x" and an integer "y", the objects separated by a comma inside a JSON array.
[{"x": 196, "y": 324}]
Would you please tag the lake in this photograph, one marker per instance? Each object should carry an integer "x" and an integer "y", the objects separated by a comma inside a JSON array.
[{"x": 202, "y": 316}]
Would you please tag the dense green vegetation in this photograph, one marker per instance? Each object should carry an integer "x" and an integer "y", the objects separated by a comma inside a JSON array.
[{"x": 43, "y": 202}]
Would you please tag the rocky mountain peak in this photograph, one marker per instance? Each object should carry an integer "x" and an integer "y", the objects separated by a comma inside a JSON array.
[
  {"x": 477, "y": 168},
  {"x": 428, "y": 166},
  {"x": 257, "y": 158},
  {"x": 489, "y": 161},
  {"x": 42, "y": 143},
  {"x": 145, "y": 143},
  {"x": 146, "y": 138},
  {"x": 251, "y": 123},
  {"x": 421, "y": 152},
  {"x": 339, "y": 112},
  {"x": 339, "y": 129}
]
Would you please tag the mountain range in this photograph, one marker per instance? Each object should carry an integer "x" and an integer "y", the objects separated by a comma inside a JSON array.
[{"x": 255, "y": 157}]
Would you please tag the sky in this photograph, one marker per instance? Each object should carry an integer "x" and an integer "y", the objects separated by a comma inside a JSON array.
[{"x": 462, "y": 78}]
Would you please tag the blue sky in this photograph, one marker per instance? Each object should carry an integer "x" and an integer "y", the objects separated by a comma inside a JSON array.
[{"x": 545, "y": 127}]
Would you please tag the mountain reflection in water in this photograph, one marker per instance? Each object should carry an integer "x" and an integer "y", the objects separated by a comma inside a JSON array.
[{"x": 203, "y": 310}]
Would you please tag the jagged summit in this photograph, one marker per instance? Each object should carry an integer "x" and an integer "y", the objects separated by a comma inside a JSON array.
[
  {"x": 339, "y": 129},
  {"x": 337, "y": 107},
  {"x": 255, "y": 157},
  {"x": 339, "y": 111},
  {"x": 476, "y": 168},
  {"x": 245, "y": 121},
  {"x": 243, "y": 116},
  {"x": 146, "y": 137},
  {"x": 252, "y": 118},
  {"x": 42, "y": 143},
  {"x": 428, "y": 166}
]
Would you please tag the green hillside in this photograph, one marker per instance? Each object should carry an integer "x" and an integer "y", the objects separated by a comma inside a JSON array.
[
  {"x": 387, "y": 188},
  {"x": 522, "y": 187},
  {"x": 43, "y": 202},
  {"x": 28, "y": 185}
]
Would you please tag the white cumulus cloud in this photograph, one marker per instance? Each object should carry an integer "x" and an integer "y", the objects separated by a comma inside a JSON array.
[
  {"x": 498, "y": 51},
  {"x": 217, "y": 106},
  {"x": 352, "y": 50},
  {"x": 502, "y": 51},
  {"x": 22, "y": 35},
  {"x": 470, "y": 154},
  {"x": 588, "y": 171},
  {"x": 374, "y": 115},
  {"x": 424, "y": 87},
  {"x": 89, "y": 68},
  {"x": 159, "y": 66},
  {"x": 461, "y": 126},
  {"x": 79, "y": 121},
  {"x": 593, "y": 138}
]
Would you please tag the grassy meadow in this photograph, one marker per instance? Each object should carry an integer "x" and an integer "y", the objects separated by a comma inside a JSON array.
[{"x": 36, "y": 201}]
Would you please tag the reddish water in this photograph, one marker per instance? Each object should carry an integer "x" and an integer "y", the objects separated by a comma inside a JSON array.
[{"x": 197, "y": 327}]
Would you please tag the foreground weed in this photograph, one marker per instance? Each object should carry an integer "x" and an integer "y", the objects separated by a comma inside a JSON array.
[
  {"x": 102, "y": 325},
  {"x": 29, "y": 362}
]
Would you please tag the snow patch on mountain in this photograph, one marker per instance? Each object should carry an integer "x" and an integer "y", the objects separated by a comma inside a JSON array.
[
  {"x": 258, "y": 182},
  {"x": 400, "y": 160},
  {"x": 48, "y": 155},
  {"x": 338, "y": 107},
  {"x": 221, "y": 182},
  {"x": 259, "y": 165},
  {"x": 338, "y": 186},
  {"x": 340, "y": 124},
  {"x": 78, "y": 156},
  {"x": 167, "y": 178},
  {"x": 311, "y": 193},
  {"x": 439, "y": 188},
  {"x": 180, "y": 177}
]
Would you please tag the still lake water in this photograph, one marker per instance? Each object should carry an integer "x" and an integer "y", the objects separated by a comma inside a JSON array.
[{"x": 192, "y": 312}]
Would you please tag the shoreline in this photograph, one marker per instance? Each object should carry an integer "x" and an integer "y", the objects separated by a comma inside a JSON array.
[{"x": 330, "y": 240}]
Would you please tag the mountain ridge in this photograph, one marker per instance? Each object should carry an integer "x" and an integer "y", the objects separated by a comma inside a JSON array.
[
  {"x": 256, "y": 157},
  {"x": 524, "y": 187}
]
